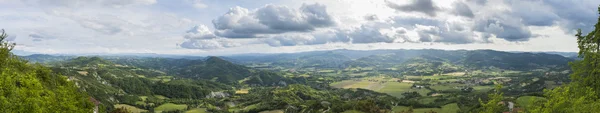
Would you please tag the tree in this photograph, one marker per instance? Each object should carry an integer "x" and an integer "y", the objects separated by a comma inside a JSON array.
[
  {"x": 581, "y": 95},
  {"x": 493, "y": 105},
  {"x": 33, "y": 88}
]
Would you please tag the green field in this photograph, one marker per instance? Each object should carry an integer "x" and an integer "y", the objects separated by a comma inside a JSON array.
[
  {"x": 143, "y": 98},
  {"x": 524, "y": 101},
  {"x": 395, "y": 89},
  {"x": 130, "y": 108},
  {"x": 449, "y": 108},
  {"x": 170, "y": 107},
  {"x": 197, "y": 110}
]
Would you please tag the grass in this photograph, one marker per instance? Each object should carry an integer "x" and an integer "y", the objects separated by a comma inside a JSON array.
[
  {"x": 449, "y": 108},
  {"x": 170, "y": 107},
  {"x": 143, "y": 98},
  {"x": 130, "y": 108},
  {"x": 395, "y": 89},
  {"x": 197, "y": 110},
  {"x": 427, "y": 100},
  {"x": 525, "y": 101},
  {"x": 140, "y": 103}
]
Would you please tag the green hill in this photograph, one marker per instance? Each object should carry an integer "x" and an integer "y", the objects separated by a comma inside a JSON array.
[{"x": 33, "y": 88}]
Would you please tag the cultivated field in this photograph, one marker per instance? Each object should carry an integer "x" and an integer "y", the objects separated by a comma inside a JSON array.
[
  {"x": 130, "y": 108},
  {"x": 170, "y": 107}
]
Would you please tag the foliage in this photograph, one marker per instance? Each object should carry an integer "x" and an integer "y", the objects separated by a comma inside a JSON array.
[
  {"x": 493, "y": 104},
  {"x": 581, "y": 95},
  {"x": 33, "y": 88}
]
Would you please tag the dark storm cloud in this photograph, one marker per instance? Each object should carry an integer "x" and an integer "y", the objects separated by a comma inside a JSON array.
[
  {"x": 272, "y": 19},
  {"x": 422, "y": 6}
]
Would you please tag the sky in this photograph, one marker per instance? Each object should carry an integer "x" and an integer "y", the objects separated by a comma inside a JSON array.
[{"x": 223, "y": 27}]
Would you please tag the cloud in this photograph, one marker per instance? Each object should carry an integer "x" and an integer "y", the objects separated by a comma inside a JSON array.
[
  {"x": 462, "y": 9},
  {"x": 199, "y": 32},
  {"x": 41, "y": 35},
  {"x": 371, "y": 17},
  {"x": 11, "y": 38},
  {"x": 272, "y": 19},
  {"x": 197, "y": 4},
  {"x": 217, "y": 43},
  {"x": 365, "y": 34},
  {"x": 88, "y": 3},
  {"x": 422, "y": 6},
  {"x": 479, "y": 2},
  {"x": 200, "y": 37},
  {"x": 506, "y": 28},
  {"x": 575, "y": 14}
]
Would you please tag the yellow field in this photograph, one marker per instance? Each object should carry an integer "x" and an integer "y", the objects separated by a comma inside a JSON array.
[
  {"x": 130, "y": 108},
  {"x": 170, "y": 107},
  {"x": 242, "y": 91}
]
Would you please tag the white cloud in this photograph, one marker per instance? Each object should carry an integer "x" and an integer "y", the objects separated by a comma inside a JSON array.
[
  {"x": 165, "y": 26},
  {"x": 272, "y": 19}
]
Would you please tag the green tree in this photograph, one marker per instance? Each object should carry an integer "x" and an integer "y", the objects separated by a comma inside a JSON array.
[
  {"x": 493, "y": 104},
  {"x": 33, "y": 88},
  {"x": 581, "y": 95}
]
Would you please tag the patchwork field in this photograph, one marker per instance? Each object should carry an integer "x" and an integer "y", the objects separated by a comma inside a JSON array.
[
  {"x": 381, "y": 84},
  {"x": 449, "y": 108},
  {"x": 130, "y": 108},
  {"x": 170, "y": 107}
]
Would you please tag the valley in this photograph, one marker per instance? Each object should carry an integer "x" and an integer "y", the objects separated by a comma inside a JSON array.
[{"x": 337, "y": 81}]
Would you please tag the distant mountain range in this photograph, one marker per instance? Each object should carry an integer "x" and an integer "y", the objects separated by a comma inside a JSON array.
[{"x": 463, "y": 59}]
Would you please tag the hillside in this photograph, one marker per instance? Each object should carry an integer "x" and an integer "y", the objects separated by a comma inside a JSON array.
[{"x": 33, "y": 88}]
